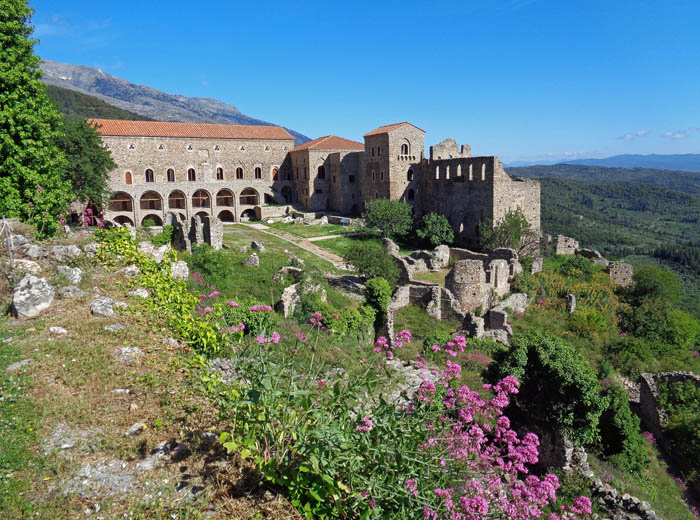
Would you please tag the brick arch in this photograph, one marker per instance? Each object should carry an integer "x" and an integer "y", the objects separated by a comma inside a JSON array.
[
  {"x": 121, "y": 201},
  {"x": 225, "y": 198},
  {"x": 249, "y": 197},
  {"x": 177, "y": 200},
  {"x": 201, "y": 199},
  {"x": 155, "y": 218},
  {"x": 226, "y": 216},
  {"x": 151, "y": 200}
]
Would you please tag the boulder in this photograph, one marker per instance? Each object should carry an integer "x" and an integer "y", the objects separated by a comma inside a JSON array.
[
  {"x": 32, "y": 251},
  {"x": 146, "y": 248},
  {"x": 160, "y": 252},
  {"x": 69, "y": 291},
  {"x": 90, "y": 249},
  {"x": 140, "y": 292},
  {"x": 537, "y": 264},
  {"x": 252, "y": 261},
  {"x": 179, "y": 270},
  {"x": 441, "y": 257},
  {"x": 288, "y": 301},
  {"x": 72, "y": 274},
  {"x": 570, "y": 303},
  {"x": 26, "y": 266},
  {"x": 65, "y": 253},
  {"x": 518, "y": 302},
  {"x": 16, "y": 241},
  {"x": 257, "y": 246},
  {"x": 130, "y": 270},
  {"x": 102, "y": 307},
  {"x": 390, "y": 247},
  {"x": 32, "y": 296}
]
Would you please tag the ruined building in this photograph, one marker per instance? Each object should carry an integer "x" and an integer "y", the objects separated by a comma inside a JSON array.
[{"x": 235, "y": 172}]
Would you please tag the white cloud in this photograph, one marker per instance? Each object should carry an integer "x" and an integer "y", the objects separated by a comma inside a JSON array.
[
  {"x": 629, "y": 137},
  {"x": 678, "y": 134}
]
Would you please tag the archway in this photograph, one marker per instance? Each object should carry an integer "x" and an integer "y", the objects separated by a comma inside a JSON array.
[
  {"x": 247, "y": 215},
  {"x": 224, "y": 198},
  {"x": 151, "y": 200},
  {"x": 321, "y": 172},
  {"x": 127, "y": 178},
  {"x": 202, "y": 214},
  {"x": 123, "y": 219},
  {"x": 411, "y": 195},
  {"x": 176, "y": 200},
  {"x": 154, "y": 219},
  {"x": 121, "y": 201},
  {"x": 287, "y": 194},
  {"x": 249, "y": 197},
  {"x": 201, "y": 199},
  {"x": 226, "y": 216},
  {"x": 269, "y": 199}
]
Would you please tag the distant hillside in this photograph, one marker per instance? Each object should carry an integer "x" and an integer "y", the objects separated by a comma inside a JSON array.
[
  {"x": 75, "y": 105},
  {"x": 146, "y": 101},
  {"x": 685, "y": 182},
  {"x": 689, "y": 162}
]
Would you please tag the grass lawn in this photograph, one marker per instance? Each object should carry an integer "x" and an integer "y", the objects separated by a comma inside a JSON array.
[
  {"x": 341, "y": 244},
  {"x": 314, "y": 230},
  {"x": 437, "y": 277}
]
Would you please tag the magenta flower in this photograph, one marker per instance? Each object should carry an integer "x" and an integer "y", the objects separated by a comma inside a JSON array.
[
  {"x": 232, "y": 304},
  {"x": 261, "y": 308},
  {"x": 365, "y": 425},
  {"x": 39, "y": 188}
]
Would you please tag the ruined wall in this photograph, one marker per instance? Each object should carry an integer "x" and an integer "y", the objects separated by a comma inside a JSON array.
[
  {"x": 345, "y": 185},
  {"x": 621, "y": 273},
  {"x": 135, "y": 155},
  {"x": 467, "y": 282},
  {"x": 449, "y": 149}
]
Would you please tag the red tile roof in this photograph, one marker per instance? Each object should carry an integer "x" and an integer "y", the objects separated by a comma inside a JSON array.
[
  {"x": 388, "y": 128},
  {"x": 330, "y": 142},
  {"x": 119, "y": 127}
]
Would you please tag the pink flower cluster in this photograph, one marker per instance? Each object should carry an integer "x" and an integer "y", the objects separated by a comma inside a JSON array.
[
  {"x": 261, "y": 308},
  {"x": 382, "y": 344},
  {"x": 317, "y": 320},
  {"x": 451, "y": 348},
  {"x": 240, "y": 328},
  {"x": 274, "y": 338},
  {"x": 649, "y": 436},
  {"x": 365, "y": 425}
]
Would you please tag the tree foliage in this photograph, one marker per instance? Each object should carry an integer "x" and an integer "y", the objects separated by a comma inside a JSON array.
[
  {"x": 88, "y": 163},
  {"x": 619, "y": 428},
  {"x": 512, "y": 231},
  {"x": 436, "y": 229},
  {"x": 557, "y": 386},
  {"x": 653, "y": 282},
  {"x": 372, "y": 261},
  {"x": 393, "y": 218},
  {"x": 31, "y": 164}
]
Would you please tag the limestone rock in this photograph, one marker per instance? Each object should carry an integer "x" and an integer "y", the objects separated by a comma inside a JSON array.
[
  {"x": 70, "y": 291},
  {"x": 135, "y": 429},
  {"x": 570, "y": 303},
  {"x": 390, "y": 247},
  {"x": 130, "y": 270},
  {"x": 58, "y": 330},
  {"x": 252, "y": 261},
  {"x": 441, "y": 257},
  {"x": 102, "y": 307},
  {"x": 16, "y": 241},
  {"x": 90, "y": 249},
  {"x": 18, "y": 365},
  {"x": 32, "y": 296},
  {"x": 537, "y": 264},
  {"x": 32, "y": 251},
  {"x": 72, "y": 274},
  {"x": 257, "y": 246},
  {"x": 65, "y": 253},
  {"x": 179, "y": 270},
  {"x": 288, "y": 301},
  {"x": 128, "y": 355},
  {"x": 499, "y": 335},
  {"x": 146, "y": 248},
  {"x": 26, "y": 266},
  {"x": 160, "y": 252},
  {"x": 287, "y": 270},
  {"x": 518, "y": 302},
  {"x": 114, "y": 327},
  {"x": 140, "y": 292}
]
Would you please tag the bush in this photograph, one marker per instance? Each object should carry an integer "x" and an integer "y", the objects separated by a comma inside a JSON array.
[
  {"x": 558, "y": 387},
  {"x": 579, "y": 267},
  {"x": 378, "y": 294},
  {"x": 653, "y": 282},
  {"x": 658, "y": 320},
  {"x": 436, "y": 229},
  {"x": 393, "y": 218},
  {"x": 165, "y": 237},
  {"x": 372, "y": 261},
  {"x": 619, "y": 428},
  {"x": 629, "y": 355},
  {"x": 513, "y": 231}
]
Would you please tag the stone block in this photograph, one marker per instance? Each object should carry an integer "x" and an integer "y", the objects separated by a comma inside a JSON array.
[{"x": 621, "y": 273}]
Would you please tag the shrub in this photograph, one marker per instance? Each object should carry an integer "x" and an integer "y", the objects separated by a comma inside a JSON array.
[
  {"x": 658, "y": 320},
  {"x": 436, "y": 229},
  {"x": 578, "y": 267},
  {"x": 393, "y": 218},
  {"x": 147, "y": 223},
  {"x": 378, "y": 294},
  {"x": 653, "y": 282},
  {"x": 513, "y": 231},
  {"x": 372, "y": 261},
  {"x": 165, "y": 237},
  {"x": 622, "y": 442},
  {"x": 558, "y": 387}
]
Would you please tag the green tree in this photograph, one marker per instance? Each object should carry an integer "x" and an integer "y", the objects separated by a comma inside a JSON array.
[
  {"x": 653, "y": 282},
  {"x": 88, "y": 163},
  {"x": 557, "y": 386},
  {"x": 378, "y": 294},
  {"x": 372, "y": 261},
  {"x": 393, "y": 218},
  {"x": 436, "y": 229},
  {"x": 619, "y": 429},
  {"x": 32, "y": 186},
  {"x": 512, "y": 231}
]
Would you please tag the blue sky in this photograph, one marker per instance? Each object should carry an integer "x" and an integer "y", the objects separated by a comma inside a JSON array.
[{"x": 522, "y": 79}]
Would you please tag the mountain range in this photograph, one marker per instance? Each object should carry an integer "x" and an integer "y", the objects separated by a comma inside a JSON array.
[
  {"x": 689, "y": 162},
  {"x": 147, "y": 101}
]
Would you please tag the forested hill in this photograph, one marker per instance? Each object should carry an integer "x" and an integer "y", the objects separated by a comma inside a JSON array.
[
  {"x": 638, "y": 223},
  {"x": 686, "y": 182},
  {"x": 76, "y": 105}
]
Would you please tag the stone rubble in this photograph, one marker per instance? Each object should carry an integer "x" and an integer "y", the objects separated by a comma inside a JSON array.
[
  {"x": 32, "y": 296},
  {"x": 73, "y": 274}
]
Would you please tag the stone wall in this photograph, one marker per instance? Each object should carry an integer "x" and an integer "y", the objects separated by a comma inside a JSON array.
[
  {"x": 222, "y": 198},
  {"x": 621, "y": 273},
  {"x": 438, "y": 301},
  {"x": 564, "y": 245}
]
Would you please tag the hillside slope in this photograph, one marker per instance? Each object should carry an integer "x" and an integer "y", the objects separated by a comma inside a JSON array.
[
  {"x": 686, "y": 182},
  {"x": 75, "y": 105},
  {"x": 147, "y": 101},
  {"x": 686, "y": 162}
]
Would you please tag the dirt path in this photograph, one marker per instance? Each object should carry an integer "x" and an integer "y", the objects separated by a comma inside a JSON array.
[{"x": 302, "y": 243}]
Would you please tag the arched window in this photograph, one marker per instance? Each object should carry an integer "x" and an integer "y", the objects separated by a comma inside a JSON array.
[
  {"x": 409, "y": 175},
  {"x": 459, "y": 170},
  {"x": 239, "y": 173},
  {"x": 447, "y": 171},
  {"x": 483, "y": 171},
  {"x": 249, "y": 197},
  {"x": 275, "y": 172},
  {"x": 224, "y": 198},
  {"x": 170, "y": 174},
  {"x": 176, "y": 200},
  {"x": 151, "y": 200},
  {"x": 200, "y": 199},
  {"x": 437, "y": 172},
  {"x": 471, "y": 172},
  {"x": 321, "y": 172},
  {"x": 258, "y": 173},
  {"x": 219, "y": 174},
  {"x": 191, "y": 175},
  {"x": 411, "y": 195},
  {"x": 149, "y": 175},
  {"x": 127, "y": 177},
  {"x": 404, "y": 149},
  {"x": 121, "y": 201}
]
